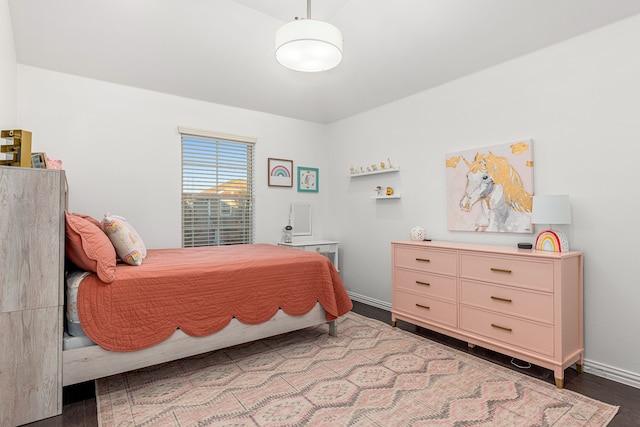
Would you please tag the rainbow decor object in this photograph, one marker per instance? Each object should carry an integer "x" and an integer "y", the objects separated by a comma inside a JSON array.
[
  {"x": 280, "y": 171},
  {"x": 553, "y": 241}
]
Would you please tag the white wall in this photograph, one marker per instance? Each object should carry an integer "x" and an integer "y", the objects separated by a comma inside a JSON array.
[
  {"x": 580, "y": 102},
  {"x": 8, "y": 94},
  {"x": 120, "y": 148}
]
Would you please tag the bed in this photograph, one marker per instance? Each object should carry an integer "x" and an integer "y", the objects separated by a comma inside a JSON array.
[{"x": 183, "y": 302}]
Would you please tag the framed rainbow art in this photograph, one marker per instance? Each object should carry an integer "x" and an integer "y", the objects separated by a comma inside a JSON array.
[{"x": 280, "y": 172}]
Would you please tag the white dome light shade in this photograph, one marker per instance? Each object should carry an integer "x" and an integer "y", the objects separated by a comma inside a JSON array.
[{"x": 308, "y": 45}]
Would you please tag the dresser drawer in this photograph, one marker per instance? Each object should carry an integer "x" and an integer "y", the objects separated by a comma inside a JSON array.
[
  {"x": 425, "y": 283},
  {"x": 320, "y": 248},
  {"x": 425, "y": 308},
  {"x": 529, "y": 273},
  {"x": 514, "y": 301},
  {"x": 426, "y": 259},
  {"x": 509, "y": 330}
]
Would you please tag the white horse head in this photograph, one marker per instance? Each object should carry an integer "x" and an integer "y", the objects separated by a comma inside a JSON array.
[{"x": 506, "y": 206}]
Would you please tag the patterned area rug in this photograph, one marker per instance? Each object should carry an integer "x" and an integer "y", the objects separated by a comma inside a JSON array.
[{"x": 370, "y": 375}]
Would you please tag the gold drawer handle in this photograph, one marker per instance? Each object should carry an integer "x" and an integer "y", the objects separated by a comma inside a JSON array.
[
  {"x": 423, "y": 306},
  {"x": 423, "y": 260},
  {"x": 423, "y": 283},
  {"x": 500, "y": 270},
  {"x": 500, "y": 299},
  {"x": 501, "y": 327}
]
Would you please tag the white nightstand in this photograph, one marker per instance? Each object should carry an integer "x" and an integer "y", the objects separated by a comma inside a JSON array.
[{"x": 328, "y": 248}]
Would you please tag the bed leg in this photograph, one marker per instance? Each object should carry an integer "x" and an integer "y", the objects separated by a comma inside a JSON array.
[{"x": 333, "y": 328}]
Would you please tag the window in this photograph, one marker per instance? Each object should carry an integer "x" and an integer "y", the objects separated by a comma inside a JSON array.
[{"x": 217, "y": 188}]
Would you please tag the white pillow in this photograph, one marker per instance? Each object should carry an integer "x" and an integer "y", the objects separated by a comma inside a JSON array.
[
  {"x": 125, "y": 239},
  {"x": 73, "y": 319}
]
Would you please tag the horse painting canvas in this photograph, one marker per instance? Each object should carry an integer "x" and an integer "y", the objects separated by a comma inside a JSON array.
[{"x": 491, "y": 189}]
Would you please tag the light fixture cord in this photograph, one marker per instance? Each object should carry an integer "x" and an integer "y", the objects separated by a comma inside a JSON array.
[{"x": 308, "y": 9}]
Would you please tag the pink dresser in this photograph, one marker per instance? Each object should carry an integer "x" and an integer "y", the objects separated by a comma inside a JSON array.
[{"x": 519, "y": 302}]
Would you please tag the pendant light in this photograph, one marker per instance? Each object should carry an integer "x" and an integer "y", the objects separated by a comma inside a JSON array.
[{"x": 308, "y": 45}]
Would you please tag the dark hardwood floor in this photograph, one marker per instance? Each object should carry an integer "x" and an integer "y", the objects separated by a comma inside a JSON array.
[{"x": 80, "y": 404}]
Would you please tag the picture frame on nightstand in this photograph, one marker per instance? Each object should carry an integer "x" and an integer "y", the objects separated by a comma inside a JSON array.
[{"x": 39, "y": 160}]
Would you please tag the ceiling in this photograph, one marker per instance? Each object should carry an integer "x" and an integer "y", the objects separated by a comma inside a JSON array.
[{"x": 222, "y": 51}]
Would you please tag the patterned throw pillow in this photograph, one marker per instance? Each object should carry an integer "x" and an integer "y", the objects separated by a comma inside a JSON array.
[{"x": 125, "y": 239}]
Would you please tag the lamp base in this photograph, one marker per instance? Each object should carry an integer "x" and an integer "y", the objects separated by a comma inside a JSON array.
[{"x": 553, "y": 241}]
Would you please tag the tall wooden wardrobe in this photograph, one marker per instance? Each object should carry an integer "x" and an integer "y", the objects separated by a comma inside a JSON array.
[{"x": 32, "y": 203}]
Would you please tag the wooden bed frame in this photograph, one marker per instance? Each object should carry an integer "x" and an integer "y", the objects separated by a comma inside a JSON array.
[{"x": 89, "y": 363}]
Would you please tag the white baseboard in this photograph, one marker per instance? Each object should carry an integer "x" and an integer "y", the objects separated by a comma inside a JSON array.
[
  {"x": 612, "y": 373},
  {"x": 609, "y": 372},
  {"x": 370, "y": 301}
]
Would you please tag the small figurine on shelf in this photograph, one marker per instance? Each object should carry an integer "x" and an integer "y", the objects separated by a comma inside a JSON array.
[
  {"x": 389, "y": 191},
  {"x": 378, "y": 191},
  {"x": 352, "y": 170},
  {"x": 382, "y": 166}
]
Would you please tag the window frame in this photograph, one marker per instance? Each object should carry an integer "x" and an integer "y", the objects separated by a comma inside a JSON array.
[{"x": 214, "y": 160}]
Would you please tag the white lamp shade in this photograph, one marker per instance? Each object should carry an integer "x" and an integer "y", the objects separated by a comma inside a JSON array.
[
  {"x": 551, "y": 210},
  {"x": 308, "y": 45}
]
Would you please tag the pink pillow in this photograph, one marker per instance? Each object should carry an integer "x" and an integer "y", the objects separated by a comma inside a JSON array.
[
  {"x": 89, "y": 248},
  {"x": 91, "y": 219}
]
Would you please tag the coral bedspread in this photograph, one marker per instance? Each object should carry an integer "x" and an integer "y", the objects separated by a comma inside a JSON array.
[{"x": 199, "y": 290}]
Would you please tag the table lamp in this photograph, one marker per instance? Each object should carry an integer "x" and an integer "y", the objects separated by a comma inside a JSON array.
[{"x": 551, "y": 210}]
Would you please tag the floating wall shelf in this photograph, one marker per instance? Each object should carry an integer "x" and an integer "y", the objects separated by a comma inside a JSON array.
[
  {"x": 395, "y": 196},
  {"x": 355, "y": 175}
]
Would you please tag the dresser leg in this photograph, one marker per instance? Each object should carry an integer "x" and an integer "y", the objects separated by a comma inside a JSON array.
[
  {"x": 393, "y": 323},
  {"x": 560, "y": 382},
  {"x": 580, "y": 368}
]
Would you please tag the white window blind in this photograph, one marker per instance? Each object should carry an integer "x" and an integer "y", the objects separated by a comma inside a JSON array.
[{"x": 217, "y": 189}]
